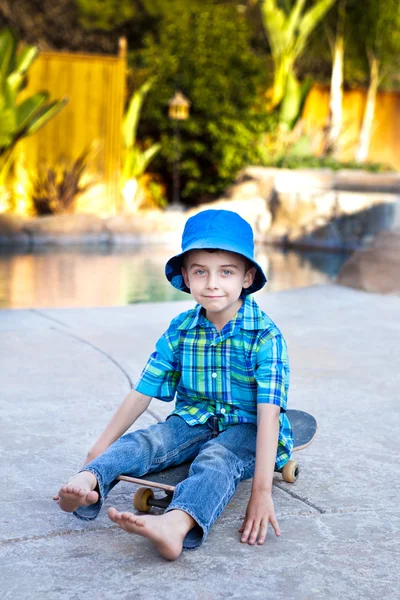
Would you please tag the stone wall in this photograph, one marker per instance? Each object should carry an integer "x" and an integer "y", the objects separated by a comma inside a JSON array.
[
  {"x": 341, "y": 210},
  {"x": 300, "y": 208},
  {"x": 151, "y": 227}
]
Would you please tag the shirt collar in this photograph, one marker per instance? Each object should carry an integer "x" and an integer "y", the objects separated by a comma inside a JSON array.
[{"x": 249, "y": 317}]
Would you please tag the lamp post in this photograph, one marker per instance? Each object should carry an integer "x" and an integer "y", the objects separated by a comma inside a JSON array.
[{"x": 178, "y": 111}]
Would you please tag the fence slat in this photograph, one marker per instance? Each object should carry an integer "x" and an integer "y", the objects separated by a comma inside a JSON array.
[
  {"x": 385, "y": 142},
  {"x": 95, "y": 86}
]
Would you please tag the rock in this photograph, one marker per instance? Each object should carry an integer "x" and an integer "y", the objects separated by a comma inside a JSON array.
[
  {"x": 363, "y": 181},
  {"x": 311, "y": 208},
  {"x": 12, "y": 230},
  {"x": 250, "y": 197},
  {"x": 252, "y": 182},
  {"x": 66, "y": 229},
  {"x": 263, "y": 177},
  {"x": 304, "y": 207},
  {"x": 246, "y": 189},
  {"x": 146, "y": 227},
  {"x": 146, "y": 222},
  {"x": 304, "y": 181},
  {"x": 375, "y": 269},
  {"x": 253, "y": 209},
  {"x": 388, "y": 239},
  {"x": 10, "y": 224},
  {"x": 66, "y": 224},
  {"x": 303, "y": 202}
]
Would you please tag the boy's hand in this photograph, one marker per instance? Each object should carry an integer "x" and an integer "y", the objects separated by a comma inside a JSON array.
[{"x": 260, "y": 511}]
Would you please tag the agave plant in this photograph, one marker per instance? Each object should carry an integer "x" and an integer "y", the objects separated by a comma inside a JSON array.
[
  {"x": 18, "y": 120},
  {"x": 135, "y": 159},
  {"x": 56, "y": 188}
]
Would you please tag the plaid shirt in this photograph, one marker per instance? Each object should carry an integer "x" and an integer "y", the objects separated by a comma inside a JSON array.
[{"x": 224, "y": 374}]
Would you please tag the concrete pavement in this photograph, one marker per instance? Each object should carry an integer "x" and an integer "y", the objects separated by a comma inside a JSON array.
[{"x": 62, "y": 375}]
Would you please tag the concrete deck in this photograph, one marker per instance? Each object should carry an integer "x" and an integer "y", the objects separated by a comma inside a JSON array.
[{"x": 64, "y": 372}]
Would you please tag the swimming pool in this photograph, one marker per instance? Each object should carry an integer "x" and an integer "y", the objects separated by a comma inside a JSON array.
[{"x": 104, "y": 276}]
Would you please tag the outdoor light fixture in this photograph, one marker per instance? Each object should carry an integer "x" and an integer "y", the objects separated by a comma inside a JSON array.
[
  {"x": 179, "y": 107},
  {"x": 178, "y": 111}
]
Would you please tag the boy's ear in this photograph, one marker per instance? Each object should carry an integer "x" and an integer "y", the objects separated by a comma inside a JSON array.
[
  {"x": 185, "y": 277},
  {"x": 249, "y": 277}
]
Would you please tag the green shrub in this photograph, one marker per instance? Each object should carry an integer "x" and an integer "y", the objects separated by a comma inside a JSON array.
[
  {"x": 327, "y": 162},
  {"x": 206, "y": 54}
]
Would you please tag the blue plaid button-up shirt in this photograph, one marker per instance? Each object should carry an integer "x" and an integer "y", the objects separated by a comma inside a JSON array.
[{"x": 224, "y": 374}]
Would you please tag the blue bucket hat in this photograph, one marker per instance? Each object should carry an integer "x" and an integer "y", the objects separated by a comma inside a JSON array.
[{"x": 220, "y": 229}]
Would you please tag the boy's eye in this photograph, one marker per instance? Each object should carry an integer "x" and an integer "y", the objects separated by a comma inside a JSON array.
[
  {"x": 199, "y": 272},
  {"x": 226, "y": 272}
]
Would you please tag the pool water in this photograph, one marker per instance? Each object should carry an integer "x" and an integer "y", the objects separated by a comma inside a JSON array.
[{"x": 103, "y": 276}]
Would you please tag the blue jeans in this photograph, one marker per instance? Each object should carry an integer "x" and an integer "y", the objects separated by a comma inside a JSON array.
[{"x": 220, "y": 461}]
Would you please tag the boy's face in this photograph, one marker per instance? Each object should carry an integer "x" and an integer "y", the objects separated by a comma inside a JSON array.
[{"x": 216, "y": 279}]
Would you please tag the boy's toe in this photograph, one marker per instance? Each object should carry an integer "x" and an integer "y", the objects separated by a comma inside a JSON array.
[
  {"x": 113, "y": 514},
  {"x": 92, "y": 497}
]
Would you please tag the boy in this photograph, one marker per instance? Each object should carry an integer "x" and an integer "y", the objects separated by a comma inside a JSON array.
[{"x": 227, "y": 363}]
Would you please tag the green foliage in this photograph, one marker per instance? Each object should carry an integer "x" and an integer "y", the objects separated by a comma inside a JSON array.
[
  {"x": 307, "y": 161},
  {"x": 375, "y": 28},
  {"x": 288, "y": 29},
  {"x": 137, "y": 189},
  {"x": 205, "y": 54},
  {"x": 56, "y": 189},
  {"x": 18, "y": 120},
  {"x": 105, "y": 15},
  {"x": 293, "y": 101},
  {"x": 372, "y": 25},
  {"x": 136, "y": 159}
]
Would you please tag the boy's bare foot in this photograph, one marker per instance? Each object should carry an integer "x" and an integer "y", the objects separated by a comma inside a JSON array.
[
  {"x": 78, "y": 492},
  {"x": 166, "y": 531}
]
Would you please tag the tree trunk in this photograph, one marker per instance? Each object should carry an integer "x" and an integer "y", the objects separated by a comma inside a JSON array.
[
  {"x": 336, "y": 95},
  {"x": 366, "y": 128}
]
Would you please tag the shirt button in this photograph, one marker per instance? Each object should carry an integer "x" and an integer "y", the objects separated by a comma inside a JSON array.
[
  {"x": 223, "y": 411},
  {"x": 213, "y": 375}
]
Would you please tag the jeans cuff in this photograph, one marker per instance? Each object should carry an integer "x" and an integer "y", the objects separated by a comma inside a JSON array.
[
  {"x": 196, "y": 536},
  {"x": 87, "y": 513}
]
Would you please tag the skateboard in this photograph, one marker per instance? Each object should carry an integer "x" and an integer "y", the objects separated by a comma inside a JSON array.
[{"x": 304, "y": 427}]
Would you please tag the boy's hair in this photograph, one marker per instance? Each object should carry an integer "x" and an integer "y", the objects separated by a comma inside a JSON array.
[{"x": 247, "y": 264}]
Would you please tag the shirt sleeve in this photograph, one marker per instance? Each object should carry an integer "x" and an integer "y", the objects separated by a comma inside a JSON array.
[
  {"x": 272, "y": 372},
  {"x": 161, "y": 375}
]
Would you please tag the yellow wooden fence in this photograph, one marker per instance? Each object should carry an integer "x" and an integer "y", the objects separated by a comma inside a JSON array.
[
  {"x": 385, "y": 141},
  {"x": 92, "y": 119}
]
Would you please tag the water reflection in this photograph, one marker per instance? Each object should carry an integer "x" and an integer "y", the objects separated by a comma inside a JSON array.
[{"x": 102, "y": 276}]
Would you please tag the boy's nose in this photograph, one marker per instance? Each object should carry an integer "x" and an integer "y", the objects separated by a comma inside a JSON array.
[{"x": 212, "y": 281}]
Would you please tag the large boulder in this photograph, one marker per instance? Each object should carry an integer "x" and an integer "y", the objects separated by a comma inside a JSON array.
[{"x": 375, "y": 269}]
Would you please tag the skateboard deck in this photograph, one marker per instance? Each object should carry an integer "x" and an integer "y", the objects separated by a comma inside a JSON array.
[{"x": 304, "y": 427}]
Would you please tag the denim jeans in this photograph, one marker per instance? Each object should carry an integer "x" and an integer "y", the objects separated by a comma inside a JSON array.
[{"x": 220, "y": 461}]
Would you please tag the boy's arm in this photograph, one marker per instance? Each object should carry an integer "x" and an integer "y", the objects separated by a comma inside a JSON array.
[
  {"x": 160, "y": 376},
  {"x": 260, "y": 509},
  {"x": 131, "y": 408}
]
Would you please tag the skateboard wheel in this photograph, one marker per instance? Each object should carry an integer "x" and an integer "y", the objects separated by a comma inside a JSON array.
[
  {"x": 290, "y": 471},
  {"x": 141, "y": 499}
]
